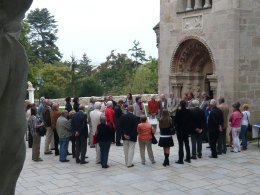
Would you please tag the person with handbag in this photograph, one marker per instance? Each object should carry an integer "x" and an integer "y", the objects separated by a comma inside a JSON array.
[
  {"x": 245, "y": 123},
  {"x": 145, "y": 131},
  {"x": 35, "y": 123},
  {"x": 165, "y": 141}
]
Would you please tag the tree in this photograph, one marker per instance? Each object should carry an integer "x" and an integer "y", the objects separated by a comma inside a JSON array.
[
  {"x": 90, "y": 87},
  {"x": 84, "y": 66},
  {"x": 138, "y": 54},
  {"x": 43, "y": 35}
]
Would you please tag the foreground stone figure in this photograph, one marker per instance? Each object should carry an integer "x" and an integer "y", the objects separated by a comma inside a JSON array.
[{"x": 13, "y": 75}]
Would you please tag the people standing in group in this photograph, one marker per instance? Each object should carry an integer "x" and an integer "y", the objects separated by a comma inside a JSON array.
[
  {"x": 204, "y": 102},
  {"x": 105, "y": 136},
  {"x": 138, "y": 107},
  {"x": 183, "y": 123},
  {"x": 162, "y": 104},
  {"x": 55, "y": 114},
  {"x": 119, "y": 111},
  {"x": 63, "y": 127},
  {"x": 244, "y": 125},
  {"x": 47, "y": 123},
  {"x": 215, "y": 126},
  {"x": 222, "y": 140},
  {"x": 198, "y": 125},
  {"x": 235, "y": 123},
  {"x": 76, "y": 104},
  {"x": 35, "y": 123},
  {"x": 80, "y": 127},
  {"x": 165, "y": 141},
  {"x": 129, "y": 100},
  {"x": 95, "y": 120},
  {"x": 190, "y": 98},
  {"x": 129, "y": 124},
  {"x": 92, "y": 101},
  {"x": 68, "y": 105},
  {"x": 145, "y": 131}
]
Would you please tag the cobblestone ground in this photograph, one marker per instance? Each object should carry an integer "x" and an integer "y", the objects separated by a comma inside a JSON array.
[{"x": 232, "y": 173}]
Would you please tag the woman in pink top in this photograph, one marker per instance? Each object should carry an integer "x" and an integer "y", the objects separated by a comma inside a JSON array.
[
  {"x": 235, "y": 120},
  {"x": 145, "y": 131}
]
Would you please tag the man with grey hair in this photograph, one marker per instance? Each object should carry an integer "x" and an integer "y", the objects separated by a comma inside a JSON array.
[
  {"x": 198, "y": 123},
  {"x": 92, "y": 101},
  {"x": 172, "y": 105},
  {"x": 95, "y": 120},
  {"x": 215, "y": 126},
  {"x": 47, "y": 123}
]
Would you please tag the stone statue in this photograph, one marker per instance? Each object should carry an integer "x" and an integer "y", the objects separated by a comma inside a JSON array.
[
  {"x": 30, "y": 85},
  {"x": 13, "y": 66}
]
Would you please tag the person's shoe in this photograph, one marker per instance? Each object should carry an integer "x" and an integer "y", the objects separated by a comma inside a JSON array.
[
  {"x": 49, "y": 152},
  {"x": 98, "y": 162},
  {"x": 119, "y": 144},
  {"x": 179, "y": 162},
  {"x": 83, "y": 162},
  {"x": 210, "y": 156},
  {"x": 69, "y": 153},
  {"x": 153, "y": 162},
  {"x": 64, "y": 160},
  {"x": 130, "y": 166},
  {"x": 92, "y": 146},
  {"x": 57, "y": 153},
  {"x": 199, "y": 156},
  {"x": 208, "y": 147},
  {"x": 77, "y": 161},
  {"x": 219, "y": 153},
  {"x": 193, "y": 157},
  {"x": 53, "y": 149},
  {"x": 105, "y": 166},
  {"x": 38, "y": 160},
  {"x": 187, "y": 160},
  {"x": 224, "y": 152}
]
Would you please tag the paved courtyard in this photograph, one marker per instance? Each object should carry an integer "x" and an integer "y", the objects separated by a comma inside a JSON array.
[{"x": 233, "y": 173}]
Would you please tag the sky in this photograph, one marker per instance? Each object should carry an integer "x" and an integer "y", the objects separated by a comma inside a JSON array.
[{"x": 96, "y": 27}]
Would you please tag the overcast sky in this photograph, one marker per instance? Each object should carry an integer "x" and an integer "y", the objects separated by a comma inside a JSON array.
[{"x": 98, "y": 26}]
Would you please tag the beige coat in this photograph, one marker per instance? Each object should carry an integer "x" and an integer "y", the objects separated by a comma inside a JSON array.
[{"x": 225, "y": 110}]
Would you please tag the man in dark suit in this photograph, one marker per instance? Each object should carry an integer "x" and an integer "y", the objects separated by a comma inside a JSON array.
[
  {"x": 198, "y": 122},
  {"x": 215, "y": 126},
  {"x": 80, "y": 127},
  {"x": 129, "y": 124}
]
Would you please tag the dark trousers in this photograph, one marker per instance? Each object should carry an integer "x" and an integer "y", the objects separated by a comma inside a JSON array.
[
  {"x": 73, "y": 145},
  {"x": 81, "y": 148},
  {"x": 56, "y": 141},
  {"x": 196, "y": 143},
  {"x": 183, "y": 139},
  {"x": 222, "y": 141},
  {"x": 118, "y": 135},
  {"x": 213, "y": 138},
  {"x": 104, "y": 151},
  {"x": 30, "y": 139},
  {"x": 64, "y": 143}
]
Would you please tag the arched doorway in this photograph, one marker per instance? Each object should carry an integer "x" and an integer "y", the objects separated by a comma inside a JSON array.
[{"x": 192, "y": 69}]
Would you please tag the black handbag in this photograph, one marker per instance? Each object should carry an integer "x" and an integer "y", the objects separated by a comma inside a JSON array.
[
  {"x": 41, "y": 130},
  {"x": 249, "y": 127},
  {"x": 154, "y": 140}
]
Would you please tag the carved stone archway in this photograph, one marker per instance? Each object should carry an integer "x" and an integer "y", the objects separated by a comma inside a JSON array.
[{"x": 193, "y": 68}]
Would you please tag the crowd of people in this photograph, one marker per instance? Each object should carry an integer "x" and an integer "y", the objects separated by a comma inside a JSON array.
[{"x": 102, "y": 123}]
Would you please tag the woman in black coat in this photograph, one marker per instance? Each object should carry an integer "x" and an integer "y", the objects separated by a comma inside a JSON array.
[{"x": 183, "y": 120}]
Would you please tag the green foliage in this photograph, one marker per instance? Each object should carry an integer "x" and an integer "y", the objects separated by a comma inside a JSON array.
[
  {"x": 90, "y": 87},
  {"x": 138, "y": 54},
  {"x": 42, "y": 36}
]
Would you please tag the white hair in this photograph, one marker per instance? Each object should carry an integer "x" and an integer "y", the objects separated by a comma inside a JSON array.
[
  {"x": 195, "y": 103},
  {"x": 109, "y": 104},
  {"x": 97, "y": 105},
  {"x": 213, "y": 102}
]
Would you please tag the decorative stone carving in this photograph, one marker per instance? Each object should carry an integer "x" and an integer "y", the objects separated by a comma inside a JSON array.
[
  {"x": 192, "y": 23},
  {"x": 13, "y": 76}
]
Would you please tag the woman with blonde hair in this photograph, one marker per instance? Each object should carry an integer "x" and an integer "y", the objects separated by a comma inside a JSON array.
[
  {"x": 165, "y": 141},
  {"x": 244, "y": 125}
]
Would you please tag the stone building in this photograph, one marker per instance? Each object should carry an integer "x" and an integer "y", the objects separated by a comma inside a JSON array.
[{"x": 211, "y": 46}]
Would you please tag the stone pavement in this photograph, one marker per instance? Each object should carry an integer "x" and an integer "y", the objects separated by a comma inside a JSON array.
[{"x": 233, "y": 173}]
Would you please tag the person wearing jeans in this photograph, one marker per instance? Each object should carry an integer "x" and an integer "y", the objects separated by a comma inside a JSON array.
[
  {"x": 105, "y": 136},
  {"x": 63, "y": 127},
  {"x": 244, "y": 125}
]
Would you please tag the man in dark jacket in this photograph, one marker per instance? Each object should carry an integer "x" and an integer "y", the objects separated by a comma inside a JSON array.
[
  {"x": 198, "y": 122},
  {"x": 47, "y": 123},
  {"x": 215, "y": 124},
  {"x": 118, "y": 116},
  {"x": 129, "y": 124},
  {"x": 80, "y": 127},
  {"x": 183, "y": 120}
]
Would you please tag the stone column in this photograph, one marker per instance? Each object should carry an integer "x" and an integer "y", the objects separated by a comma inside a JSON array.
[
  {"x": 31, "y": 93},
  {"x": 198, "y": 4},
  {"x": 188, "y": 8},
  {"x": 207, "y": 4}
]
